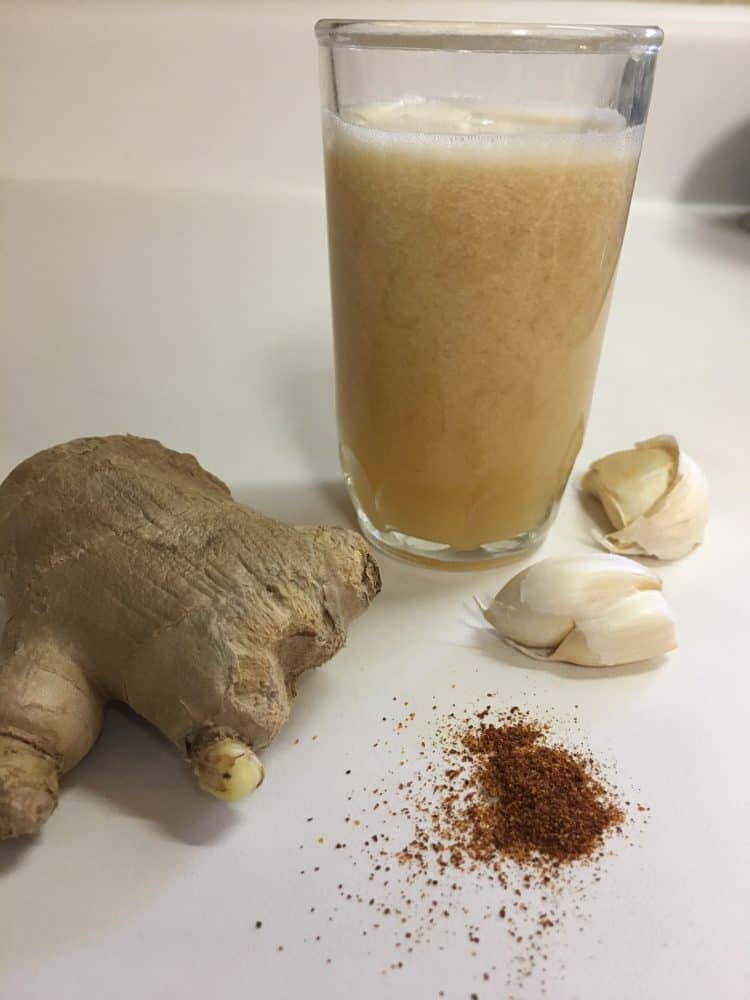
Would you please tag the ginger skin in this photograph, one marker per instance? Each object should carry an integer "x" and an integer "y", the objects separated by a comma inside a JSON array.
[{"x": 130, "y": 574}]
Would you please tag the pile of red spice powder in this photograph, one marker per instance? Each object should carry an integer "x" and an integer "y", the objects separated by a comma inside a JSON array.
[
  {"x": 511, "y": 827},
  {"x": 509, "y": 794},
  {"x": 500, "y": 801}
]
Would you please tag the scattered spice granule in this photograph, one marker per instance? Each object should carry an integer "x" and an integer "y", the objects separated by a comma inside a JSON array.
[{"x": 258, "y": 924}]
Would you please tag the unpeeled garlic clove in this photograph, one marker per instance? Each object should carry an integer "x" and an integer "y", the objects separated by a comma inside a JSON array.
[
  {"x": 594, "y": 610},
  {"x": 655, "y": 496}
]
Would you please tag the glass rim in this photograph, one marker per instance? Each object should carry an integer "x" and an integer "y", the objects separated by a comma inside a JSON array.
[{"x": 489, "y": 36}]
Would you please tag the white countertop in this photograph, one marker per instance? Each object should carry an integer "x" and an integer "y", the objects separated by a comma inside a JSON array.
[
  {"x": 215, "y": 338},
  {"x": 201, "y": 317}
]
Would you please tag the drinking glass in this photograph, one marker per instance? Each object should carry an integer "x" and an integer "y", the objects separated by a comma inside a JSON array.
[{"x": 478, "y": 182}]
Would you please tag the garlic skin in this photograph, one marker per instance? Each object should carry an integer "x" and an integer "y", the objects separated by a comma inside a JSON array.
[
  {"x": 593, "y": 610},
  {"x": 655, "y": 496}
]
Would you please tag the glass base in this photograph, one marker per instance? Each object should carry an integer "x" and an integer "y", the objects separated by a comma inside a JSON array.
[{"x": 438, "y": 555}]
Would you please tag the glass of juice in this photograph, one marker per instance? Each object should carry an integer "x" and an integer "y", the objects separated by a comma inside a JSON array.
[{"x": 478, "y": 181}]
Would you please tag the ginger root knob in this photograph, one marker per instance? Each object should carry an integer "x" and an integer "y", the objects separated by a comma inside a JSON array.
[
  {"x": 28, "y": 787},
  {"x": 226, "y": 767}
]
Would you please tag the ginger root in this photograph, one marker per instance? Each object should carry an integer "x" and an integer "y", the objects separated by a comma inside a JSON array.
[{"x": 131, "y": 574}]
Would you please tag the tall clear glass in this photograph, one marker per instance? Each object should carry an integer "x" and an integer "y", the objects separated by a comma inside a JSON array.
[{"x": 478, "y": 181}]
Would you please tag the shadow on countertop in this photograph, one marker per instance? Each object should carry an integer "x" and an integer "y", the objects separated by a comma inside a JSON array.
[
  {"x": 141, "y": 774},
  {"x": 322, "y": 502},
  {"x": 722, "y": 175},
  {"x": 137, "y": 771}
]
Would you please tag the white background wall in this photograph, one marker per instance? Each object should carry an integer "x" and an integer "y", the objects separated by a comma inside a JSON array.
[{"x": 223, "y": 95}]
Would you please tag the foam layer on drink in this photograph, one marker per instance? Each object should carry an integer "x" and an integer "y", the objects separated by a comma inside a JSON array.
[{"x": 448, "y": 125}]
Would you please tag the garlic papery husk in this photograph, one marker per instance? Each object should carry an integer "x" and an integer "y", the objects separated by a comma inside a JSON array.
[
  {"x": 655, "y": 496},
  {"x": 594, "y": 610}
]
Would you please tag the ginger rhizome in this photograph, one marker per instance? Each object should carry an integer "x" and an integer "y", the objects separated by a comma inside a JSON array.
[{"x": 130, "y": 574}]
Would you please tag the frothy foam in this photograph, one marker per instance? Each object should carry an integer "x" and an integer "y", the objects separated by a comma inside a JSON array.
[{"x": 421, "y": 124}]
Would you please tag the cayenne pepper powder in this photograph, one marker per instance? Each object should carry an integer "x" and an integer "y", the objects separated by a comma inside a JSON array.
[
  {"x": 509, "y": 833},
  {"x": 531, "y": 801},
  {"x": 510, "y": 804},
  {"x": 509, "y": 794}
]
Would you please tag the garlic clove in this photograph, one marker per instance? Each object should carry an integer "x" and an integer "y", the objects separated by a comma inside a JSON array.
[
  {"x": 628, "y": 483},
  {"x": 511, "y": 616},
  {"x": 636, "y": 627},
  {"x": 593, "y": 610},
  {"x": 655, "y": 496}
]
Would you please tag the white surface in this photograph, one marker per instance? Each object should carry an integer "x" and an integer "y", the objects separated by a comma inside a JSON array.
[
  {"x": 201, "y": 318},
  {"x": 204, "y": 321},
  {"x": 87, "y": 89}
]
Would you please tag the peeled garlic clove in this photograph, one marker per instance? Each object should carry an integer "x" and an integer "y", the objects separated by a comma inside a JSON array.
[
  {"x": 628, "y": 483},
  {"x": 593, "y": 610},
  {"x": 655, "y": 497}
]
